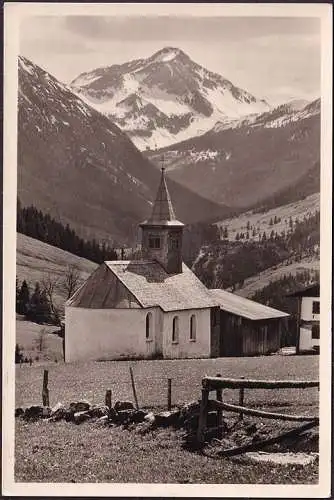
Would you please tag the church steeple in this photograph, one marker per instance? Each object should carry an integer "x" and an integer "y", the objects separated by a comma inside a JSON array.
[
  {"x": 162, "y": 232},
  {"x": 162, "y": 208}
]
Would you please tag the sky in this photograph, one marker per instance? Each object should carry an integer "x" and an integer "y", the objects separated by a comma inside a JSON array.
[{"x": 275, "y": 58}]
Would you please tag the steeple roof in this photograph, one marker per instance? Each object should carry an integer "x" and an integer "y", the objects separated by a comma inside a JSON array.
[{"x": 163, "y": 211}]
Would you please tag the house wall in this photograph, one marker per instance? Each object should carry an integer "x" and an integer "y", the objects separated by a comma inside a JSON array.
[
  {"x": 242, "y": 337},
  {"x": 185, "y": 348},
  {"x": 92, "y": 334},
  {"x": 306, "y": 340},
  {"x": 306, "y": 309}
]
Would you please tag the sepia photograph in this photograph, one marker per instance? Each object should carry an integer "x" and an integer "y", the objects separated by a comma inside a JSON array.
[{"x": 167, "y": 246}]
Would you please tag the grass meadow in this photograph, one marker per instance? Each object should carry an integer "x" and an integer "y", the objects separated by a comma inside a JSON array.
[{"x": 64, "y": 452}]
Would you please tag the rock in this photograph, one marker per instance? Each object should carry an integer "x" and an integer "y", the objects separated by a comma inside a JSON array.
[
  {"x": 250, "y": 429},
  {"x": 33, "y": 412},
  {"x": 102, "y": 420},
  {"x": 112, "y": 415},
  {"x": 80, "y": 406},
  {"x": 19, "y": 412},
  {"x": 98, "y": 411},
  {"x": 81, "y": 416},
  {"x": 58, "y": 412},
  {"x": 46, "y": 412},
  {"x": 123, "y": 405},
  {"x": 124, "y": 416},
  {"x": 166, "y": 418},
  {"x": 150, "y": 418},
  {"x": 57, "y": 407},
  {"x": 138, "y": 416}
]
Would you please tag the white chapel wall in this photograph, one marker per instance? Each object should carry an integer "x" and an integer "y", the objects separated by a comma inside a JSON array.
[
  {"x": 185, "y": 348},
  {"x": 93, "y": 334}
]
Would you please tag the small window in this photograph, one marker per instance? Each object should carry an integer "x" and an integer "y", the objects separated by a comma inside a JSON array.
[
  {"x": 316, "y": 307},
  {"x": 174, "y": 244},
  {"x": 315, "y": 332},
  {"x": 193, "y": 327},
  {"x": 154, "y": 242},
  {"x": 148, "y": 325},
  {"x": 175, "y": 333}
]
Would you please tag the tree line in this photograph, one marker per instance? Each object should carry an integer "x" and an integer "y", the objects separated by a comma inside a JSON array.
[{"x": 34, "y": 223}]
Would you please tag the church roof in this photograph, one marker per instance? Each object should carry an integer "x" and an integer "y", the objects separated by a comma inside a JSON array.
[
  {"x": 150, "y": 285},
  {"x": 246, "y": 308},
  {"x": 163, "y": 211}
]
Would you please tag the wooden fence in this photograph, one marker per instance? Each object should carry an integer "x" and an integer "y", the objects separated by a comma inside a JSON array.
[{"x": 218, "y": 384}]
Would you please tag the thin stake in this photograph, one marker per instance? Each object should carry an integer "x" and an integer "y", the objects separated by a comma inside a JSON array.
[
  {"x": 169, "y": 394},
  {"x": 134, "y": 388},
  {"x": 203, "y": 413},
  {"x": 241, "y": 400},
  {"x": 108, "y": 398},
  {"x": 45, "y": 390}
]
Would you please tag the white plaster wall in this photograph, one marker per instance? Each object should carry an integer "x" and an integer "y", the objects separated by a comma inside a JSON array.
[
  {"x": 92, "y": 334},
  {"x": 306, "y": 309},
  {"x": 305, "y": 340},
  {"x": 185, "y": 348}
]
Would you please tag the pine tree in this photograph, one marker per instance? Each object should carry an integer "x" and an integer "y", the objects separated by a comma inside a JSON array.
[
  {"x": 23, "y": 299},
  {"x": 237, "y": 236},
  {"x": 248, "y": 226},
  {"x": 225, "y": 236},
  {"x": 271, "y": 222}
]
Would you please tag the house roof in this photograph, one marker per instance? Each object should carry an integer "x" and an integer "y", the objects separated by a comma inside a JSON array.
[
  {"x": 150, "y": 285},
  {"x": 309, "y": 291},
  {"x": 243, "y": 307},
  {"x": 163, "y": 212}
]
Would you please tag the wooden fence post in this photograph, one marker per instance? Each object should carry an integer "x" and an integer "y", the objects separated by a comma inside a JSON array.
[
  {"x": 203, "y": 413},
  {"x": 169, "y": 394},
  {"x": 45, "y": 390},
  {"x": 241, "y": 400},
  {"x": 219, "y": 395},
  {"x": 108, "y": 398},
  {"x": 134, "y": 388}
]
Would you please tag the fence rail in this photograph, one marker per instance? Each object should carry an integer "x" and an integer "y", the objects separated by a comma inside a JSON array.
[
  {"x": 214, "y": 383},
  {"x": 219, "y": 383}
]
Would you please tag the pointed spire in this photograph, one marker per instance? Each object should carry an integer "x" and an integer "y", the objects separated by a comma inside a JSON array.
[{"x": 162, "y": 208}]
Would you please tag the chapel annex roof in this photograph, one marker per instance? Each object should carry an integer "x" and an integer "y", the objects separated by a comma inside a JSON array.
[{"x": 246, "y": 308}]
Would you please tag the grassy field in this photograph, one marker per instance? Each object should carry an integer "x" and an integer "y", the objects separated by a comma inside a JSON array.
[
  {"x": 28, "y": 336},
  {"x": 63, "y": 452},
  {"x": 35, "y": 260},
  {"x": 68, "y": 382}
]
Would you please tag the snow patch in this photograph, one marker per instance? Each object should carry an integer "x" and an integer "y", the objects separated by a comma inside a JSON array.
[{"x": 27, "y": 67}]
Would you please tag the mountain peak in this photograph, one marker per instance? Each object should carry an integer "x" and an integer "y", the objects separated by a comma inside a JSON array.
[{"x": 167, "y": 54}]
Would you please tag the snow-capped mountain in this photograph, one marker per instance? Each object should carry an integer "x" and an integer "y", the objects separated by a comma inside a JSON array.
[
  {"x": 75, "y": 164},
  {"x": 165, "y": 98},
  {"x": 251, "y": 159}
]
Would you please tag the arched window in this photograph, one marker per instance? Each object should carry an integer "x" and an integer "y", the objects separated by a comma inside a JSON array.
[
  {"x": 193, "y": 327},
  {"x": 175, "y": 333},
  {"x": 148, "y": 325}
]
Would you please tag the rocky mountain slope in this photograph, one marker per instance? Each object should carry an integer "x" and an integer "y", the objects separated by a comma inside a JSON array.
[
  {"x": 252, "y": 159},
  {"x": 165, "y": 98},
  {"x": 75, "y": 164}
]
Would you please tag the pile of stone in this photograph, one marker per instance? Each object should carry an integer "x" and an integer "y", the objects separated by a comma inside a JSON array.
[{"x": 122, "y": 413}]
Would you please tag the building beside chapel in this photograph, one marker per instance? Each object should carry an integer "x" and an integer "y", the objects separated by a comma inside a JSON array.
[
  {"x": 308, "y": 318},
  {"x": 154, "y": 307}
]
